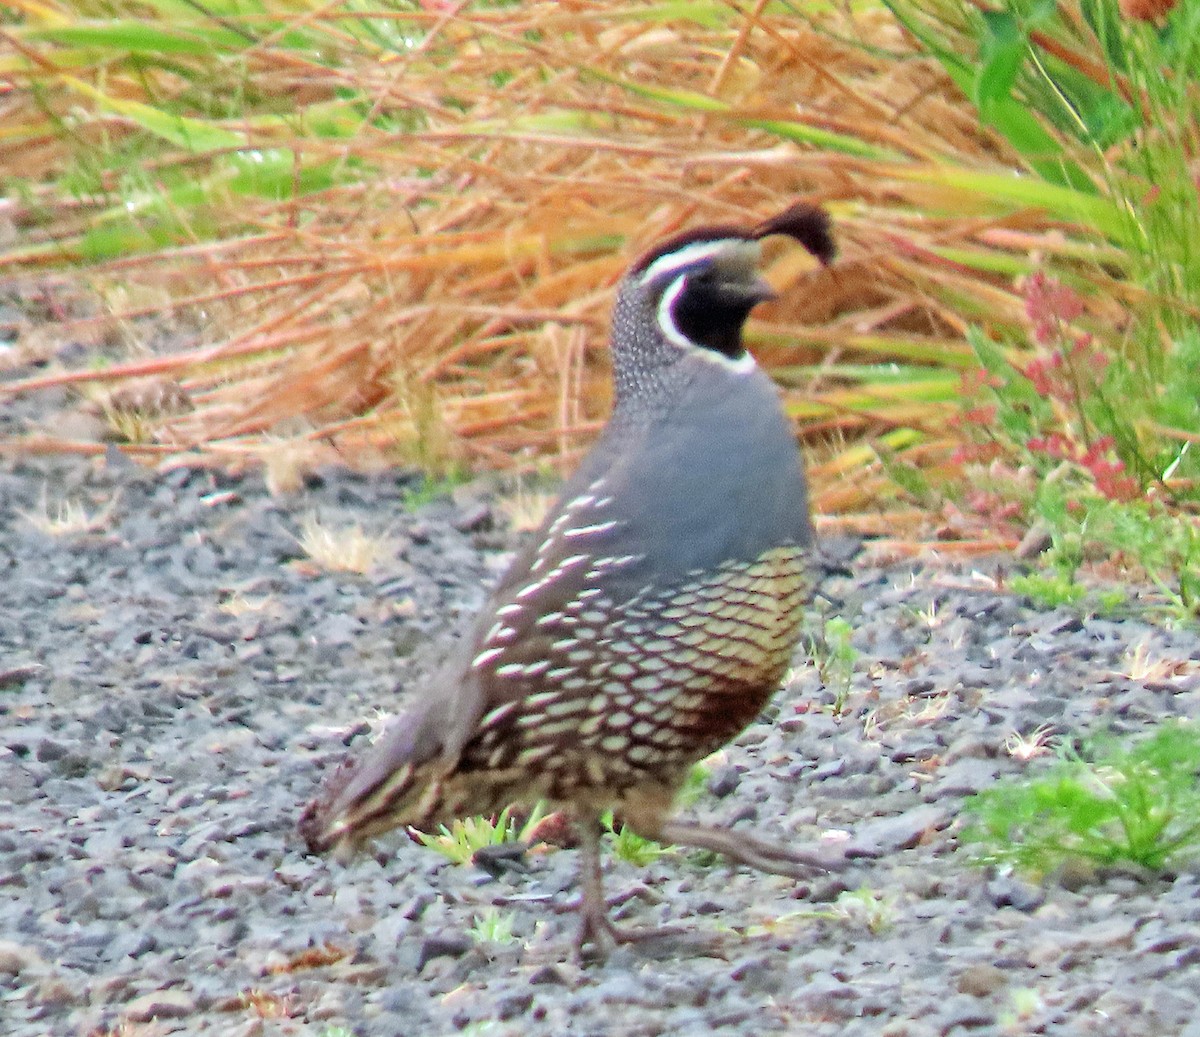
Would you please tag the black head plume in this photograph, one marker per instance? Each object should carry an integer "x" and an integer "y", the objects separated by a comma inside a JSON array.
[{"x": 807, "y": 224}]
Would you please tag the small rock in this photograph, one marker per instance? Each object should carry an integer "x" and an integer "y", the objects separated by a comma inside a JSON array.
[
  {"x": 902, "y": 832},
  {"x": 758, "y": 973},
  {"x": 965, "y": 1012},
  {"x": 724, "y": 781},
  {"x": 443, "y": 945},
  {"x": 548, "y": 975},
  {"x": 1010, "y": 892},
  {"x": 1074, "y": 873},
  {"x": 473, "y": 518},
  {"x": 511, "y": 1006},
  {"x": 159, "y": 1004},
  {"x": 48, "y": 750},
  {"x": 16, "y": 958},
  {"x": 981, "y": 980},
  {"x": 55, "y": 992}
]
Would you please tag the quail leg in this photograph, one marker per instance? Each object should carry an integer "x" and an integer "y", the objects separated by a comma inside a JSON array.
[
  {"x": 755, "y": 852},
  {"x": 595, "y": 927}
]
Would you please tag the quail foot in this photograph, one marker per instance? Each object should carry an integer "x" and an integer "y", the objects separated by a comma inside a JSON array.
[{"x": 655, "y": 611}]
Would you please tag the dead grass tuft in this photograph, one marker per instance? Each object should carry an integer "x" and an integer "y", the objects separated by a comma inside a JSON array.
[
  {"x": 400, "y": 229},
  {"x": 341, "y": 548}
]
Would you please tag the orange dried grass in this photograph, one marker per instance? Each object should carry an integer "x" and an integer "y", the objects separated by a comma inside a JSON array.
[{"x": 457, "y": 301}]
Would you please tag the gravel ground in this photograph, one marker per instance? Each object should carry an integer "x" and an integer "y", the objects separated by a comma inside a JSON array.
[{"x": 172, "y": 682}]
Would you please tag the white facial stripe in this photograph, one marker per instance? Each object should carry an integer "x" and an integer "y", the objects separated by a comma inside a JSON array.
[
  {"x": 688, "y": 256},
  {"x": 666, "y": 322},
  {"x": 666, "y": 319}
]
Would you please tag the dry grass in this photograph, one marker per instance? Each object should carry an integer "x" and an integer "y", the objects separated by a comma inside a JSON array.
[
  {"x": 341, "y": 548},
  {"x": 68, "y": 518},
  {"x": 458, "y": 190}
]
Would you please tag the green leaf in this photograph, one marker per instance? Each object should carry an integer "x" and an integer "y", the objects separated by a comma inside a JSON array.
[
  {"x": 1065, "y": 202},
  {"x": 1002, "y": 52},
  {"x": 138, "y": 37},
  {"x": 184, "y": 132}
]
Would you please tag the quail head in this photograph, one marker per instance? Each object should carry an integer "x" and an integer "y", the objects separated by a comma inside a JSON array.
[{"x": 654, "y": 612}]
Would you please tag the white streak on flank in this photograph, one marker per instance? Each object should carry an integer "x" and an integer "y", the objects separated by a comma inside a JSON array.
[
  {"x": 558, "y": 571},
  {"x": 584, "y": 531},
  {"x": 530, "y": 589},
  {"x": 498, "y": 713},
  {"x": 511, "y": 670},
  {"x": 567, "y": 563},
  {"x": 690, "y": 255},
  {"x": 483, "y": 658},
  {"x": 666, "y": 324},
  {"x": 574, "y": 504}
]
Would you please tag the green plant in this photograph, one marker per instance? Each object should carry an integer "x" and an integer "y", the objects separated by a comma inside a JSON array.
[
  {"x": 1137, "y": 803},
  {"x": 694, "y": 785},
  {"x": 1161, "y": 545},
  {"x": 494, "y": 926},
  {"x": 1050, "y": 589},
  {"x": 866, "y": 907},
  {"x": 834, "y": 654},
  {"x": 1101, "y": 485},
  {"x": 875, "y": 911},
  {"x": 629, "y": 846},
  {"x": 1087, "y": 421},
  {"x": 430, "y": 487},
  {"x": 1024, "y": 1003},
  {"x": 465, "y": 836}
]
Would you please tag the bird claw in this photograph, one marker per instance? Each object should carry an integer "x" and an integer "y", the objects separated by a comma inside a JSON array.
[{"x": 597, "y": 932}]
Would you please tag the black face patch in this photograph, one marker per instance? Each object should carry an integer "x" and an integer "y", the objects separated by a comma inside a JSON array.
[
  {"x": 704, "y": 316},
  {"x": 711, "y": 312}
]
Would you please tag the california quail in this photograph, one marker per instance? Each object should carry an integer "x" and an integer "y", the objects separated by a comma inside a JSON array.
[{"x": 655, "y": 611}]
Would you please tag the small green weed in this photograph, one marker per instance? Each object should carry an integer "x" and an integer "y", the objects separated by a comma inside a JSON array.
[
  {"x": 494, "y": 926},
  {"x": 874, "y": 911},
  {"x": 835, "y": 655},
  {"x": 1055, "y": 587},
  {"x": 1024, "y": 1004},
  {"x": 865, "y": 907},
  {"x": 1049, "y": 589},
  {"x": 1164, "y": 547},
  {"x": 466, "y": 836},
  {"x": 630, "y": 846},
  {"x": 430, "y": 487},
  {"x": 694, "y": 787},
  {"x": 1138, "y": 804}
]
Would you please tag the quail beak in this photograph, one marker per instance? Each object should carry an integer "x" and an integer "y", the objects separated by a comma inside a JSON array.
[
  {"x": 760, "y": 291},
  {"x": 749, "y": 292}
]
